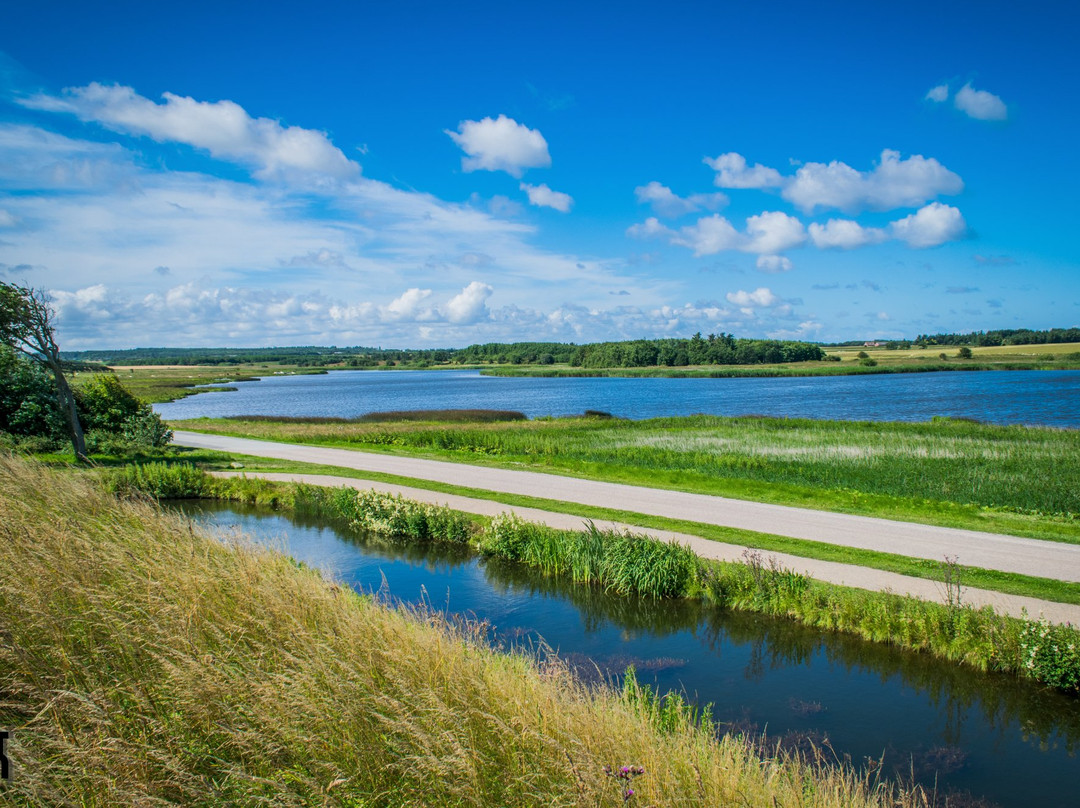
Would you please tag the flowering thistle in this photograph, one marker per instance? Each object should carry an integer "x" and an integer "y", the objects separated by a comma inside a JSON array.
[{"x": 627, "y": 775}]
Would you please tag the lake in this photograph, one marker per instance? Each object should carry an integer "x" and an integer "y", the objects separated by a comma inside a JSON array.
[
  {"x": 977, "y": 736},
  {"x": 1048, "y": 398}
]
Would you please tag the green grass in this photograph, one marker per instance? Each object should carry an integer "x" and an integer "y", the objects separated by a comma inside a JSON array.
[
  {"x": 143, "y": 662},
  {"x": 994, "y": 580},
  {"x": 1021, "y": 481}
]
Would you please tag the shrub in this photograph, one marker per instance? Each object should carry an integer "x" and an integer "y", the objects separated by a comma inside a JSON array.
[
  {"x": 106, "y": 406},
  {"x": 964, "y": 352}
]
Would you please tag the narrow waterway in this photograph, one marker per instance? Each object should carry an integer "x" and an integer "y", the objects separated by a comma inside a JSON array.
[{"x": 983, "y": 739}]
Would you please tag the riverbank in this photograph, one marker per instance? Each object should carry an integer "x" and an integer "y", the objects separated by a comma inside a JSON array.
[
  {"x": 145, "y": 661},
  {"x": 634, "y": 564}
]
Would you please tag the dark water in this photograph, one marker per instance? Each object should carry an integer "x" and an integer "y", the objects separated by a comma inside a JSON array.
[
  {"x": 1049, "y": 398},
  {"x": 989, "y": 737}
]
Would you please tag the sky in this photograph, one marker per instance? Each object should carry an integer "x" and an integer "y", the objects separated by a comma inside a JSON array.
[{"x": 417, "y": 174}]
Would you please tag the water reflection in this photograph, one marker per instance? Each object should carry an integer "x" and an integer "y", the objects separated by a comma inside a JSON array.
[{"x": 822, "y": 694}]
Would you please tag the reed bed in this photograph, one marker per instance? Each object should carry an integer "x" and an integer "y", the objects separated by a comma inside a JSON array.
[{"x": 144, "y": 663}]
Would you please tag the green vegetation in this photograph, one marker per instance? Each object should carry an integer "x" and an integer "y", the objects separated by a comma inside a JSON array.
[
  {"x": 111, "y": 419},
  {"x": 638, "y": 565},
  {"x": 257, "y": 491},
  {"x": 1007, "y": 336},
  {"x": 1008, "y": 479},
  {"x": 144, "y": 662}
]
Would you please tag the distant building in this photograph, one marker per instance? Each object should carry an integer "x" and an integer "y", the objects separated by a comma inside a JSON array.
[{"x": 873, "y": 344}]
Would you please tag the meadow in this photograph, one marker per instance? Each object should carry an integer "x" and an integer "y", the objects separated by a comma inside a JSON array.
[
  {"x": 143, "y": 662},
  {"x": 1009, "y": 479}
]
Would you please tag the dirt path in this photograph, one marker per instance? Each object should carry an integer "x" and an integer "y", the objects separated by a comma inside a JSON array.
[
  {"x": 845, "y": 574},
  {"x": 993, "y": 551}
]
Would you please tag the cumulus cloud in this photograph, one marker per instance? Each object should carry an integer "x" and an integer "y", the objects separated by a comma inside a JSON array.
[
  {"x": 707, "y": 236},
  {"x": 772, "y": 232},
  {"x": 893, "y": 183},
  {"x": 223, "y": 128},
  {"x": 409, "y": 306},
  {"x": 732, "y": 172},
  {"x": 666, "y": 202},
  {"x": 844, "y": 234},
  {"x": 773, "y": 263},
  {"x": 930, "y": 226},
  {"x": 769, "y": 232},
  {"x": 938, "y": 94},
  {"x": 470, "y": 305},
  {"x": 650, "y": 228},
  {"x": 762, "y": 297},
  {"x": 500, "y": 144},
  {"x": 544, "y": 197},
  {"x": 980, "y": 104}
]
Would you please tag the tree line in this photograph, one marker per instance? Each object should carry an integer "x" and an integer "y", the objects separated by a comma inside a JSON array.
[
  {"x": 722, "y": 349},
  {"x": 1006, "y": 336}
]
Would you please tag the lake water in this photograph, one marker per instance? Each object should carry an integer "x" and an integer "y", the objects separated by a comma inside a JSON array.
[
  {"x": 1050, "y": 398},
  {"x": 977, "y": 736}
]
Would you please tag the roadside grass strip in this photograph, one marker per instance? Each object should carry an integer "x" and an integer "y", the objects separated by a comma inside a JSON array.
[
  {"x": 1047, "y": 589},
  {"x": 1022, "y": 481},
  {"x": 633, "y": 564}
]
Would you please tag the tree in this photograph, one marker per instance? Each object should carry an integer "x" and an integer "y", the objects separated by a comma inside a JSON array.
[{"x": 26, "y": 324}]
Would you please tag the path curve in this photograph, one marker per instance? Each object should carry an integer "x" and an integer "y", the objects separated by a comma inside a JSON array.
[
  {"x": 1043, "y": 559},
  {"x": 829, "y": 571}
]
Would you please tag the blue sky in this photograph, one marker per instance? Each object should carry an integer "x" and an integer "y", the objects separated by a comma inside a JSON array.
[{"x": 419, "y": 174}]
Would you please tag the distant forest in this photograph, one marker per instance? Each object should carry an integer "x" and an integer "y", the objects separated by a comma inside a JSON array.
[
  {"x": 1008, "y": 336},
  {"x": 715, "y": 349}
]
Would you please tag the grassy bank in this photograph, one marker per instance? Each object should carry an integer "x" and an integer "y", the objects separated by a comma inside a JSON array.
[
  {"x": 159, "y": 383},
  {"x": 142, "y": 662},
  {"x": 637, "y": 565},
  {"x": 1007, "y": 479}
]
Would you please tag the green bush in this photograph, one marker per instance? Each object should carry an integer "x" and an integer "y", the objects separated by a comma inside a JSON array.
[
  {"x": 160, "y": 480},
  {"x": 106, "y": 406}
]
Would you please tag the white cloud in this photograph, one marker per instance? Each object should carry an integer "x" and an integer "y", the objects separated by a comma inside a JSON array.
[
  {"x": 980, "y": 104},
  {"x": 769, "y": 232},
  {"x": 665, "y": 202},
  {"x": 773, "y": 263},
  {"x": 650, "y": 228},
  {"x": 500, "y": 144},
  {"x": 930, "y": 226},
  {"x": 707, "y": 236},
  {"x": 732, "y": 172},
  {"x": 544, "y": 197},
  {"x": 893, "y": 183},
  {"x": 7, "y": 219},
  {"x": 761, "y": 297},
  {"x": 845, "y": 234},
  {"x": 773, "y": 232},
  {"x": 469, "y": 306},
  {"x": 409, "y": 306},
  {"x": 939, "y": 93},
  {"x": 223, "y": 128}
]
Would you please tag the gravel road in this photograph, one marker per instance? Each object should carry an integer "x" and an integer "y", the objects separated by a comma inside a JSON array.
[{"x": 1044, "y": 559}]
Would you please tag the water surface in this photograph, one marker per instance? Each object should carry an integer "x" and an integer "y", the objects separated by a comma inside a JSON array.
[
  {"x": 989, "y": 736},
  {"x": 1050, "y": 398}
]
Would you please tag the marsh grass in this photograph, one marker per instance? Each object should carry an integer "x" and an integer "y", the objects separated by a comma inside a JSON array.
[
  {"x": 397, "y": 416},
  {"x": 143, "y": 662}
]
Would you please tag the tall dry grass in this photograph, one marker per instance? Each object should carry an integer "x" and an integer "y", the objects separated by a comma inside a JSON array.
[{"x": 143, "y": 663}]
